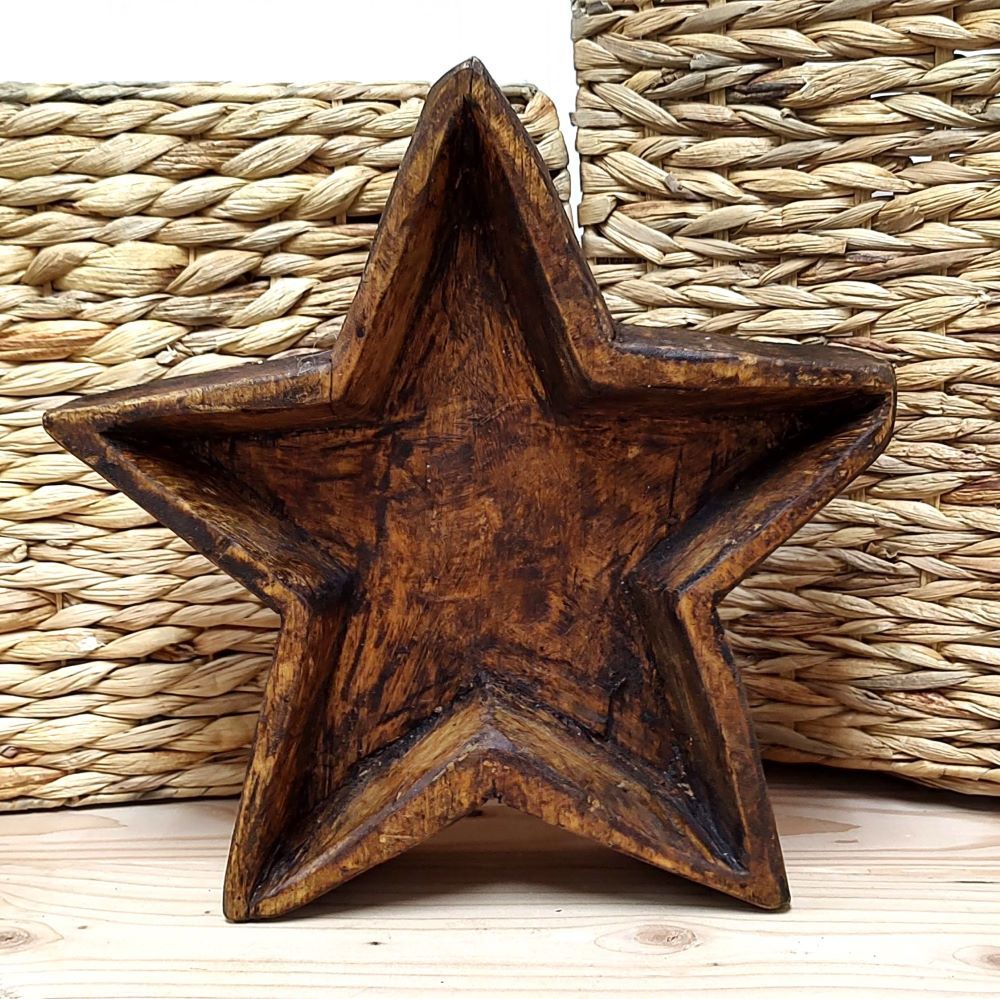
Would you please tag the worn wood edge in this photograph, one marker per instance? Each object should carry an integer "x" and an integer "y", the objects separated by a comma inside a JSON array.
[{"x": 861, "y": 371}]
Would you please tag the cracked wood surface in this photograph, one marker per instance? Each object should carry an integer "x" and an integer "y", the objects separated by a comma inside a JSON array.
[{"x": 496, "y": 527}]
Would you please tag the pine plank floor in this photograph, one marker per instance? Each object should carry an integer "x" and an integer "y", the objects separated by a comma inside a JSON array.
[{"x": 896, "y": 892}]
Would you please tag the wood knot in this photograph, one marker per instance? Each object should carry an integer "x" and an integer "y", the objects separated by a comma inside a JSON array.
[
  {"x": 665, "y": 938},
  {"x": 25, "y": 937},
  {"x": 15, "y": 938},
  {"x": 660, "y": 937},
  {"x": 980, "y": 957}
]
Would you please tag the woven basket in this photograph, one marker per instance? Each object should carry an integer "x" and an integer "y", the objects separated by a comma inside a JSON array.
[
  {"x": 148, "y": 231},
  {"x": 828, "y": 172}
]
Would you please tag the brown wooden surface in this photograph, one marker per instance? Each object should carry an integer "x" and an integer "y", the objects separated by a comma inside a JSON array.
[
  {"x": 897, "y": 894},
  {"x": 496, "y": 527}
]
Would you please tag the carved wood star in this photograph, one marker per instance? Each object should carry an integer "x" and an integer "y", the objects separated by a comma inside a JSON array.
[{"x": 496, "y": 527}]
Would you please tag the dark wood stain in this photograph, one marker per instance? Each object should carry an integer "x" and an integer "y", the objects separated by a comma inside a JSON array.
[{"x": 496, "y": 527}]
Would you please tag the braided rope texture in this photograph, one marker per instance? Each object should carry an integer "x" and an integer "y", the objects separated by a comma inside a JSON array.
[
  {"x": 148, "y": 231},
  {"x": 813, "y": 171}
]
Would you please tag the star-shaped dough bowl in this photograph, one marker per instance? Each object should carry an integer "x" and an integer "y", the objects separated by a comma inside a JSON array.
[{"x": 496, "y": 527}]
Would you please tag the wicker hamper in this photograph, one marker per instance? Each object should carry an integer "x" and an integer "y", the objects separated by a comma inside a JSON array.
[
  {"x": 828, "y": 171},
  {"x": 149, "y": 231},
  {"x": 739, "y": 175}
]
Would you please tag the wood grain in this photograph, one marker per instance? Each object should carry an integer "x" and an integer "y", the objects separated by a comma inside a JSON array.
[
  {"x": 496, "y": 528},
  {"x": 897, "y": 894}
]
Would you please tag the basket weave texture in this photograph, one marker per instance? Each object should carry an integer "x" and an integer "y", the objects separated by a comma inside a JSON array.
[
  {"x": 827, "y": 171},
  {"x": 148, "y": 231}
]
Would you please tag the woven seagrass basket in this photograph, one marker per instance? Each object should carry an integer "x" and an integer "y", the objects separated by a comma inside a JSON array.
[
  {"x": 148, "y": 231},
  {"x": 827, "y": 171}
]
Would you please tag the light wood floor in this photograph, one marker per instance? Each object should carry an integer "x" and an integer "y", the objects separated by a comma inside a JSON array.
[{"x": 896, "y": 892}]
